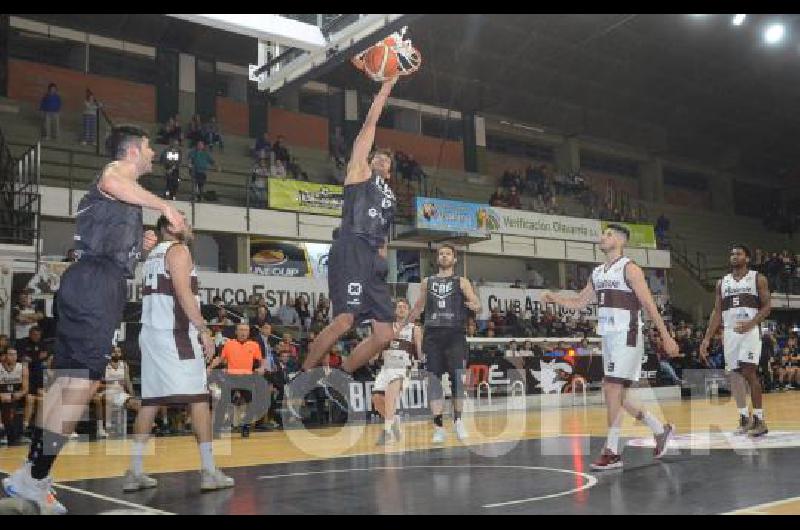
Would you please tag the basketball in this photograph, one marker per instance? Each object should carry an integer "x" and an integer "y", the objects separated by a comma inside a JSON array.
[
  {"x": 389, "y": 58},
  {"x": 380, "y": 62}
]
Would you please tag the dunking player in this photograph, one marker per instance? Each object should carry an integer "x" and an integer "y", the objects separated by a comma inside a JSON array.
[
  {"x": 357, "y": 265},
  {"x": 109, "y": 239},
  {"x": 446, "y": 298},
  {"x": 621, "y": 292},
  {"x": 173, "y": 340},
  {"x": 397, "y": 359},
  {"x": 742, "y": 303}
]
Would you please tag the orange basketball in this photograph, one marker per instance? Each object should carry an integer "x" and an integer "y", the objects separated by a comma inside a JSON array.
[{"x": 380, "y": 62}]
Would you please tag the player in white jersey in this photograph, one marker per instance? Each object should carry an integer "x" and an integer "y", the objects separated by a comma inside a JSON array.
[
  {"x": 13, "y": 389},
  {"x": 742, "y": 303},
  {"x": 621, "y": 292},
  {"x": 403, "y": 350},
  {"x": 173, "y": 365}
]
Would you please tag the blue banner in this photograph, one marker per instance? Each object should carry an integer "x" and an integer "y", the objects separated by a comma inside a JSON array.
[{"x": 451, "y": 216}]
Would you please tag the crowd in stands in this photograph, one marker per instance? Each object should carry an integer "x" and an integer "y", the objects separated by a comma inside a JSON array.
[{"x": 781, "y": 269}]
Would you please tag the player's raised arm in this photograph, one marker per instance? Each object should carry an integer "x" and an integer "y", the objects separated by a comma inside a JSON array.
[{"x": 358, "y": 169}]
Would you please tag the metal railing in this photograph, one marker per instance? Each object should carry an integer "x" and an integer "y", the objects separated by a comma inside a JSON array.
[{"x": 236, "y": 190}]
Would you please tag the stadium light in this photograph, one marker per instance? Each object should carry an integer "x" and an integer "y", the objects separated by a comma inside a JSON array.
[
  {"x": 738, "y": 20},
  {"x": 774, "y": 33}
]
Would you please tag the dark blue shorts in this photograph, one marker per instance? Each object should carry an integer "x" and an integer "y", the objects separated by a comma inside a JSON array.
[
  {"x": 90, "y": 303},
  {"x": 357, "y": 280}
]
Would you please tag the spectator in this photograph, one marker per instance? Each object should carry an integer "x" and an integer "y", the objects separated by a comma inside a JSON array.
[
  {"x": 287, "y": 315},
  {"x": 13, "y": 390},
  {"x": 170, "y": 131},
  {"x": 498, "y": 198},
  {"x": 287, "y": 348},
  {"x": 90, "y": 108},
  {"x": 301, "y": 306},
  {"x": 222, "y": 318},
  {"x": 260, "y": 174},
  {"x": 517, "y": 284},
  {"x": 514, "y": 199},
  {"x": 279, "y": 148},
  {"x": 50, "y": 107},
  {"x": 787, "y": 272},
  {"x": 773, "y": 266},
  {"x": 194, "y": 132},
  {"x": 201, "y": 160},
  {"x": 71, "y": 257},
  {"x": 242, "y": 357},
  {"x": 212, "y": 135},
  {"x": 262, "y": 316},
  {"x": 278, "y": 169},
  {"x": 662, "y": 226},
  {"x": 25, "y": 316},
  {"x": 321, "y": 315},
  {"x": 264, "y": 340},
  {"x": 338, "y": 148},
  {"x": 263, "y": 148},
  {"x": 171, "y": 160},
  {"x": 36, "y": 357}
]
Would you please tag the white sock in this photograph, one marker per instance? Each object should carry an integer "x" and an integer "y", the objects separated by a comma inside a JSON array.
[
  {"x": 207, "y": 456},
  {"x": 744, "y": 412},
  {"x": 136, "y": 458},
  {"x": 758, "y": 413},
  {"x": 612, "y": 442},
  {"x": 99, "y": 425},
  {"x": 656, "y": 426}
]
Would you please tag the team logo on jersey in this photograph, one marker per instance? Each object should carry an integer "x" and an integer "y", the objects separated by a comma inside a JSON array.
[
  {"x": 354, "y": 289},
  {"x": 442, "y": 289}
]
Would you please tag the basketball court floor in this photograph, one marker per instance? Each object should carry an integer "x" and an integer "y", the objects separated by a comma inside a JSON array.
[{"x": 515, "y": 462}]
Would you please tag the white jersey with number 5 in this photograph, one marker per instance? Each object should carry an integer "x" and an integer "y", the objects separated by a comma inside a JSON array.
[{"x": 740, "y": 303}]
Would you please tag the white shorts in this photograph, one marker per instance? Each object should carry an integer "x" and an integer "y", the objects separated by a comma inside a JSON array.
[
  {"x": 741, "y": 348},
  {"x": 395, "y": 366},
  {"x": 173, "y": 367},
  {"x": 622, "y": 361}
]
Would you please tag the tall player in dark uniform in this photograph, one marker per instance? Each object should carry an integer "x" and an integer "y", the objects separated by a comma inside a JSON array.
[
  {"x": 445, "y": 299},
  {"x": 109, "y": 238},
  {"x": 357, "y": 265}
]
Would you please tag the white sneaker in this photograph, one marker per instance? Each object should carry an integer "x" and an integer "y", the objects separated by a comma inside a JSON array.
[
  {"x": 134, "y": 482},
  {"x": 3, "y": 441},
  {"x": 461, "y": 431},
  {"x": 439, "y": 435},
  {"x": 214, "y": 480},
  {"x": 101, "y": 433},
  {"x": 74, "y": 436},
  {"x": 23, "y": 486}
]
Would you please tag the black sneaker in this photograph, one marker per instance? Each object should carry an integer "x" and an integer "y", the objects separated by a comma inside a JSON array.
[
  {"x": 744, "y": 425},
  {"x": 758, "y": 428},
  {"x": 245, "y": 431}
]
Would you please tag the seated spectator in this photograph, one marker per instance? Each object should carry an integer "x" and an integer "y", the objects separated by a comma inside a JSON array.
[
  {"x": 222, "y": 318},
  {"x": 514, "y": 199},
  {"x": 36, "y": 356},
  {"x": 263, "y": 148},
  {"x": 13, "y": 391},
  {"x": 262, "y": 316},
  {"x": 517, "y": 284},
  {"x": 301, "y": 306},
  {"x": 287, "y": 315},
  {"x": 287, "y": 348},
  {"x": 278, "y": 170},
  {"x": 498, "y": 198},
  {"x": 321, "y": 315},
  {"x": 211, "y": 134},
  {"x": 25, "y": 315}
]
